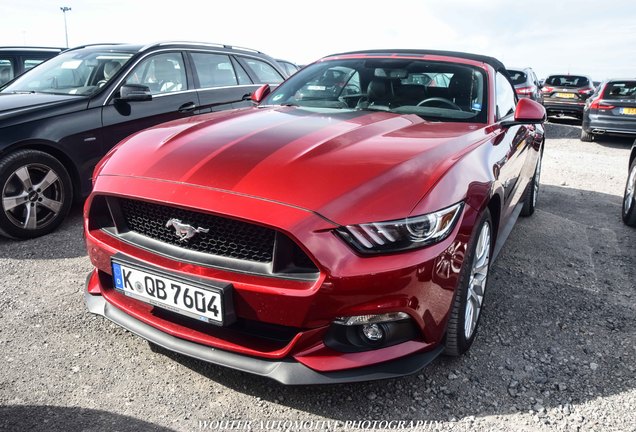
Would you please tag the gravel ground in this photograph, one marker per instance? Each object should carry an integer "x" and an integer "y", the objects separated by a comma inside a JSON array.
[{"x": 556, "y": 347}]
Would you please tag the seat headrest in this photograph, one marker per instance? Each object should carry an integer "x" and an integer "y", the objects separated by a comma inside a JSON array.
[
  {"x": 376, "y": 90},
  {"x": 110, "y": 68},
  {"x": 164, "y": 70},
  {"x": 224, "y": 77},
  {"x": 461, "y": 84}
]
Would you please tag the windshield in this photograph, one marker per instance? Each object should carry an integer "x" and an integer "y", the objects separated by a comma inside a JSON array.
[
  {"x": 433, "y": 90},
  {"x": 74, "y": 73},
  {"x": 517, "y": 77},
  {"x": 620, "y": 90},
  {"x": 567, "y": 81}
]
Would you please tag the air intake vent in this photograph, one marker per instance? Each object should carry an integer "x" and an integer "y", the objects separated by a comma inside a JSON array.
[
  {"x": 224, "y": 237},
  {"x": 219, "y": 241}
]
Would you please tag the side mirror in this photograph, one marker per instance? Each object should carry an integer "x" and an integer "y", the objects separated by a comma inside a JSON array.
[
  {"x": 260, "y": 93},
  {"x": 134, "y": 92},
  {"x": 527, "y": 111}
]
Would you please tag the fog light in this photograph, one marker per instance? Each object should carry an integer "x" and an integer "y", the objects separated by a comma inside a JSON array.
[
  {"x": 369, "y": 332},
  {"x": 373, "y": 332},
  {"x": 370, "y": 319}
]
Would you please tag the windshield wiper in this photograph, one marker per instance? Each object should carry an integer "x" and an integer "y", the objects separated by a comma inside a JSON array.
[{"x": 22, "y": 92}]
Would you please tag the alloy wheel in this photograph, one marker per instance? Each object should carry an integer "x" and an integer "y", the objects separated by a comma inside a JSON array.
[
  {"x": 477, "y": 282},
  {"x": 32, "y": 196}
]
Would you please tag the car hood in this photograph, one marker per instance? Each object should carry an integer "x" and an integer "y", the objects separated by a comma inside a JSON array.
[
  {"x": 349, "y": 167},
  {"x": 12, "y": 104}
]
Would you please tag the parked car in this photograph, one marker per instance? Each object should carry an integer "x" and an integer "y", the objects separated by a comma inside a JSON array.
[
  {"x": 526, "y": 83},
  {"x": 629, "y": 199},
  {"x": 59, "y": 119},
  {"x": 332, "y": 238},
  {"x": 566, "y": 94},
  {"x": 611, "y": 110},
  {"x": 16, "y": 60},
  {"x": 288, "y": 67}
]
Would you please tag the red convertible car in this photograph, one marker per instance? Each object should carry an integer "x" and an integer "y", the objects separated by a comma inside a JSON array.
[{"x": 342, "y": 229}]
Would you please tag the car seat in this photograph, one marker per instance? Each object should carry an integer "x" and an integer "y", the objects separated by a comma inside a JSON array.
[{"x": 168, "y": 78}]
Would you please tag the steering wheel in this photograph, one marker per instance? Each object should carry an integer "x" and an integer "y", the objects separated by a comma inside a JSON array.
[
  {"x": 444, "y": 101},
  {"x": 167, "y": 86},
  {"x": 101, "y": 83}
]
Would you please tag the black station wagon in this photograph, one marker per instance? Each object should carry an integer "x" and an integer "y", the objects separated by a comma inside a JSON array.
[{"x": 60, "y": 118}]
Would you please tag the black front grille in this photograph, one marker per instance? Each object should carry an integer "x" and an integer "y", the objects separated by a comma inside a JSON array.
[{"x": 225, "y": 237}]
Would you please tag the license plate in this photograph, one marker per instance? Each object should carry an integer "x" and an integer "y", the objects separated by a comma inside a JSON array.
[
  {"x": 180, "y": 296},
  {"x": 628, "y": 111},
  {"x": 566, "y": 95}
]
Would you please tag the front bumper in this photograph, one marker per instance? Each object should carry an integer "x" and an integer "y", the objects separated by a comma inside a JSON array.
[
  {"x": 285, "y": 371},
  {"x": 420, "y": 283}
]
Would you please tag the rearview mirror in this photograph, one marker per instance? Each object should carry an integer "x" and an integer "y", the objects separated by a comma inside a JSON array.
[
  {"x": 134, "y": 92},
  {"x": 260, "y": 93},
  {"x": 527, "y": 111}
]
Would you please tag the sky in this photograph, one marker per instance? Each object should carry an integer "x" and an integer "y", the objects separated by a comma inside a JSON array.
[{"x": 590, "y": 37}]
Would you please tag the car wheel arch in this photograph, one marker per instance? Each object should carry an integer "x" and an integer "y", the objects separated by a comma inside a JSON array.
[
  {"x": 492, "y": 201},
  {"x": 51, "y": 149}
]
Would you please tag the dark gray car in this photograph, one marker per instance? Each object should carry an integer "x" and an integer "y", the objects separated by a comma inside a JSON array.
[
  {"x": 526, "y": 83},
  {"x": 566, "y": 94},
  {"x": 611, "y": 110}
]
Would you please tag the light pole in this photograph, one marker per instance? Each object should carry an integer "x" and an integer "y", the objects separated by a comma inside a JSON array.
[{"x": 65, "y": 9}]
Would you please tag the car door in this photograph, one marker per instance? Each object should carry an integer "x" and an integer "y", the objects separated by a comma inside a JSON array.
[
  {"x": 173, "y": 97},
  {"x": 260, "y": 72},
  {"x": 513, "y": 144},
  {"x": 221, "y": 84}
]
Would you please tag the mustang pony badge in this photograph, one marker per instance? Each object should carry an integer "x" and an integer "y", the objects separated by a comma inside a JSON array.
[{"x": 184, "y": 231}]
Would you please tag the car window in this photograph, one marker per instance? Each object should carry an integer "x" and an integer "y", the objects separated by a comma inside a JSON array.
[
  {"x": 353, "y": 84},
  {"x": 434, "y": 90},
  {"x": 77, "y": 72},
  {"x": 505, "y": 97},
  {"x": 567, "y": 81},
  {"x": 517, "y": 77},
  {"x": 214, "y": 70},
  {"x": 29, "y": 63},
  {"x": 289, "y": 67},
  {"x": 243, "y": 77},
  {"x": 620, "y": 90},
  {"x": 265, "y": 72},
  {"x": 6, "y": 70},
  {"x": 162, "y": 73},
  {"x": 441, "y": 80}
]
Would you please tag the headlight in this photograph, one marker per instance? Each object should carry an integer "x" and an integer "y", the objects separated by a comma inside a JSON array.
[{"x": 403, "y": 234}]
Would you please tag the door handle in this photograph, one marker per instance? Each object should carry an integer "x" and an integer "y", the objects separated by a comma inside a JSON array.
[{"x": 187, "y": 107}]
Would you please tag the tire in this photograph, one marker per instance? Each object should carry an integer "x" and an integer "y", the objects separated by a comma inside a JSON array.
[
  {"x": 586, "y": 136},
  {"x": 21, "y": 173},
  {"x": 532, "y": 191},
  {"x": 629, "y": 197},
  {"x": 462, "y": 324}
]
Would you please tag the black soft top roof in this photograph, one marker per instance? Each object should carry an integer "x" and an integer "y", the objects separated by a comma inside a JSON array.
[{"x": 496, "y": 64}]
